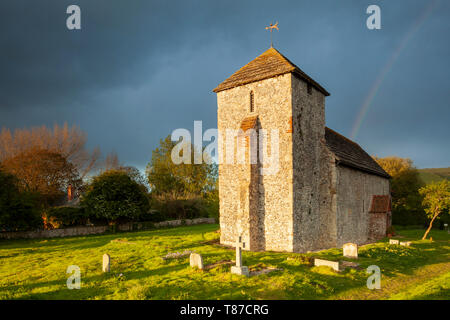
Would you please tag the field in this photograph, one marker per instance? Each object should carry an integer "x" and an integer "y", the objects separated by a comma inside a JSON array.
[
  {"x": 434, "y": 174},
  {"x": 36, "y": 269}
]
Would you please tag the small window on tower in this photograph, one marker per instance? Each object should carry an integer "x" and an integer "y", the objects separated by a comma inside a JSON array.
[
  {"x": 309, "y": 88},
  {"x": 252, "y": 102}
]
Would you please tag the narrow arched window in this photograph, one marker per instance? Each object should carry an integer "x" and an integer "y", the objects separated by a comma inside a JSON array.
[{"x": 252, "y": 101}]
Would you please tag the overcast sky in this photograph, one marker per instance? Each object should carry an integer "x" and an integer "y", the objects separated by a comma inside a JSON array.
[{"x": 139, "y": 69}]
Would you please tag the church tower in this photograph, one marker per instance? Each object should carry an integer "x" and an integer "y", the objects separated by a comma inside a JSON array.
[{"x": 275, "y": 112}]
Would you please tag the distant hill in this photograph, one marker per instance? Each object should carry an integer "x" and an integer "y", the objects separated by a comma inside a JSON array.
[{"x": 434, "y": 174}]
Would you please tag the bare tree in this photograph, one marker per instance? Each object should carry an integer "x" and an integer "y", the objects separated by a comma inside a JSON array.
[
  {"x": 112, "y": 161},
  {"x": 46, "y": 172},
  {"x": 68, "y": 142}
]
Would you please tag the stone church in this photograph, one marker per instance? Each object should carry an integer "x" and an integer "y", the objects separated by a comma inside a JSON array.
[{"x": 327, "y": 190}]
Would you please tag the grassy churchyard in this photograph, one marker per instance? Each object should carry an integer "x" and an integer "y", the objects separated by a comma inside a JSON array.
[{"x": 36, "y": 269}]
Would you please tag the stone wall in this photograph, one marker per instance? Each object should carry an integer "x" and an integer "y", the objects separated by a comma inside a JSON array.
[
  {"x": 83, "y": 231},
  {"x": 378, "y": 223},
  {"x": 354, "y": 195},
  {"x": 55, "y": 233},
  {"x": 328, "y": 200},
  {"x": 268, "y": 211},
  {"x": 311, "y": 167}
]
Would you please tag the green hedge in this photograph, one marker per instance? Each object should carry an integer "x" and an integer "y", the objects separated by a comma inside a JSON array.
[
  {"x": 68, "y": 216},
  {"x": 19, "y": 211},
  {"x": 181, "y": 209},
  {"x": 417, "y": 218}
]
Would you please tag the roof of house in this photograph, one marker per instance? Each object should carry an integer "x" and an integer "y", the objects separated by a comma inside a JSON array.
[
  {"x": 268, "y": 65},
  {"x": 380, "y": 204},
  {"x": 349, "y": 153}
]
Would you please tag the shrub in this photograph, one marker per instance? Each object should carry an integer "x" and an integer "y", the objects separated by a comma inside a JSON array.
[
  {"x": 411, "y": 217},
  {"x": 391, "y": 230},
  {"x": 152, "y": 216},
  {"x": 61, "y": 217},
  {"x": 114, "y": 196},
  {"x": 18, "y": 210},
  {"x": 182, "y": 209}
]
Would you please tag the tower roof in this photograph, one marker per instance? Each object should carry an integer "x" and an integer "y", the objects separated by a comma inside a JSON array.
[{"x": 268, "y": 65}]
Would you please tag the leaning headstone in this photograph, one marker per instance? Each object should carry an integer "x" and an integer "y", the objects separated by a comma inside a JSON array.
[
  {"x": 333, "y": 264},
  {"x": 196, "y": 260},
  {"x": 350, "y": 250},
  {"x": 239, "y": 268},
  {"x": 392, "y": 241},
  {"x": 106, "y": 263},
  {"x": 405, "y": 244}
]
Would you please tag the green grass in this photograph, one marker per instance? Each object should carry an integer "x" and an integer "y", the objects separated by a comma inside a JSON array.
[
  {"x": 36, "y": 269},
  {"x": 434, "y": 174}
]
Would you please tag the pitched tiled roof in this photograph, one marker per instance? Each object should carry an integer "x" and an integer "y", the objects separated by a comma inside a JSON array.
[
  {"x": 248, "y": 123},
  {"x": 380, "y": 204},
  {"x": 269, "y": 64},
  {"x": 350, "y": 154}
]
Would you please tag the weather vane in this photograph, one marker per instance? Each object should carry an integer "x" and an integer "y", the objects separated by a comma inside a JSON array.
[{"x": 271, "y": 27}]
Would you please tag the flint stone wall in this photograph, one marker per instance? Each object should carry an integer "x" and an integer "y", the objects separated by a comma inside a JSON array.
[
  {"x": 313, "y": 219},
  {"x": 270, "y": 218},
  {"x": 88, "y": 230},
  {"x": 354, "y": 192}
]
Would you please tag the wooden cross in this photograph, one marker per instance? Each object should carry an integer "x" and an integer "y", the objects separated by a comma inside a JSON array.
[
  {"x": 239, "y": 246},
  {"x": 271, "y": 27}
]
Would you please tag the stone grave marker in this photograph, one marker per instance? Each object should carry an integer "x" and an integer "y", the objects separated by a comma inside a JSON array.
[
  {"x": 239, "y": 268},
  {"x": 350, "y": 250},
  {"x": 393, "y": 241},
  {"x": 333, "y": 264},
  {"x": 196, "y": 260},
  {"x": 106, "y": 263},
  {"x": 405, "y": 244}
]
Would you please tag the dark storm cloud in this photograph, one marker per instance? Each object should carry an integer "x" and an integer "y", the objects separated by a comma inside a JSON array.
[{"x": 139, "y": 69}]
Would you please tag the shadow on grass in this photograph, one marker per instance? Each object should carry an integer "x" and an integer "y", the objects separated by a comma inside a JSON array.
[{"x": 178, "y": 231}]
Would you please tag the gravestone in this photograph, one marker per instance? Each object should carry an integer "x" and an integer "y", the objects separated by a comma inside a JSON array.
[
  {"x": 392, "y": 241},
  {"x": 106, "y": 263},
  {"x": 239, "y": 268},
  {"x": 196, "y": 260},
  {"x": 405, "y": 244},
  {"x": 333, "y": 264},
  {"x": 350, "y": 250}
]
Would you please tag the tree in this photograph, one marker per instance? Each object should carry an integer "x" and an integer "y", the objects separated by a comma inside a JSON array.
[
  {"x": 114, "y": 196},
  {"x": 178, "y": 181},
  {"x": 70, "y": 143},
  {"x": 18, "y": 210},
  {"x": 112, "y": 161},
  {"x": 42, "y": 171},
  {"x": 135, "y": 175},
  {"x": 436, "y": 200},
  {"x": 405, "y": 184}
]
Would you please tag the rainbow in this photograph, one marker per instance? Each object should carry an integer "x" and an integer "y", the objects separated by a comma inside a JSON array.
[{"x": 388, "y": 66}]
